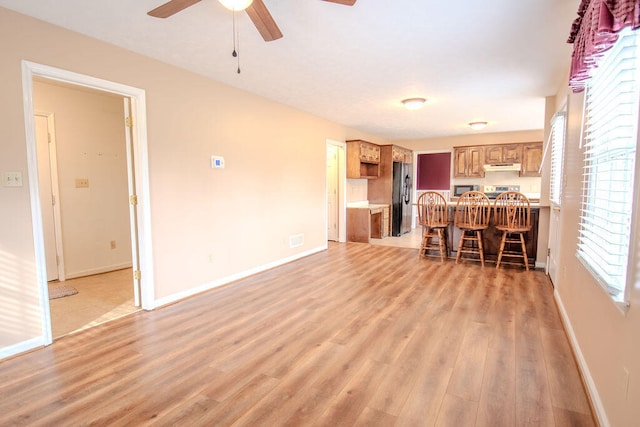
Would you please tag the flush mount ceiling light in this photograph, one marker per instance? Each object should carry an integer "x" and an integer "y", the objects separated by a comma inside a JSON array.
[
  {"x": 477, "y": 125},
  {"x": 413, "y": 103},
  {"x": 236, "y": 5}
]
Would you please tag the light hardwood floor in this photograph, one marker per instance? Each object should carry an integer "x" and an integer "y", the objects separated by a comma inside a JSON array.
[{"x": 355, "y": 335}]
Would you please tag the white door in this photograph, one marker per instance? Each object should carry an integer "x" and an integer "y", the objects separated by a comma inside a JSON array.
[
  {"x": 47, "y": 181},
  {"x": 332, "y": 192},
  {"x": 133, "y": 200},
  {"x": 556, "y": 184}
]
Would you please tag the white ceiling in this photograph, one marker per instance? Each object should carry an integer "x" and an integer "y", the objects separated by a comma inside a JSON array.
[{"x": 492, "y": 60}]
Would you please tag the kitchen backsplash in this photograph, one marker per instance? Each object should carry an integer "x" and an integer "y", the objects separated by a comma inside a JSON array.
[{"x": 356, "y": 190}]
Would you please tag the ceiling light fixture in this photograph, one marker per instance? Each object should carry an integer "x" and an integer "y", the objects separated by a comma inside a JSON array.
[
  {"x": 236, "y": 5},
  {"x": 477, "y": 125},
  {"x": 413, "y": 103}
]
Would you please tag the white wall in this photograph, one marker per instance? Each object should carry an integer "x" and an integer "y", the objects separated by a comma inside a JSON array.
[{"x": 90, "y": 144}]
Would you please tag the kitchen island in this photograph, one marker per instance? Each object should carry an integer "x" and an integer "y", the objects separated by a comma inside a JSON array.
[
  {"x": 367, "y": 220},
  {"x": 491, "y": 236}
]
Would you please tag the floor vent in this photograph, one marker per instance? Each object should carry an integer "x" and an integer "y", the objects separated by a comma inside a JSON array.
[{"x": 296, "y": 240}]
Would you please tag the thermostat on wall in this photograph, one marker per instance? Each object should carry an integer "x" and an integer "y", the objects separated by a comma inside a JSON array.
[{"x": 217, "y": 162}]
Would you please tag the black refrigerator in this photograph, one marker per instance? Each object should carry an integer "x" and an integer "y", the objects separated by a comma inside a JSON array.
[{"x": 401, "y": 198}]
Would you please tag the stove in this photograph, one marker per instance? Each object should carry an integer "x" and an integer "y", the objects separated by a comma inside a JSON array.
[{"x": 493, "y": 191}]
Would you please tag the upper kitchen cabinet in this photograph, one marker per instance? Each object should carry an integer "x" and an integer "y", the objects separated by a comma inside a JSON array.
[
  {"x": 507, "y": 153},
  {"x": 531, "y": 159},
  {"x": 402, "y": 155},
  {"x": 468, "y": 162},
  {"x": 363, "y": 159}
]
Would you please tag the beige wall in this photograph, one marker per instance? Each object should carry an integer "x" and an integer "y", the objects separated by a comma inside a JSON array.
[
  {"x": 605, "y": 339},
  {"x": 206, "y": 224},
  {"x": 90, "y": 143}
]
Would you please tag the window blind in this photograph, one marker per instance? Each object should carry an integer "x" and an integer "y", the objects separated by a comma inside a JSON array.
[
  {"x": 558, "y": 130},
  {"x": 610, "y": 134}
]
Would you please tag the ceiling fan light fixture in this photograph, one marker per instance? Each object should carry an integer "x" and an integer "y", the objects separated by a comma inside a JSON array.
[
  {"x": 413, "y": 103},
  {"x": 236, "y": 5},
  {"x": 477, "y": 125}
]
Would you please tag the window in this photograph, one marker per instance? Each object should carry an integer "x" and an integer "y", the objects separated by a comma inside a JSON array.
[
  {"x": 558, "y": 130},
  {"x": 610, "y": 139}
]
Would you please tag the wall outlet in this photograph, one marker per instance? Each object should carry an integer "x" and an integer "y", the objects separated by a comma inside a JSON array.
[
  {"x": 82, "y": 182},
  {"x": 112, "y": 244},
  {"x": 12, "y": 179}
]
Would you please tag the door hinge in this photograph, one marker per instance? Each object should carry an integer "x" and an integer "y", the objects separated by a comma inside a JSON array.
[
  {"x": 133, "y": 200},
  {"x": 129, "y": 122},
  {"x": 137, "y": 274},
  {"x": 548, "y": 251},
  {"x": 53, "y": 200},
  {"x": 48, "y": 137}
]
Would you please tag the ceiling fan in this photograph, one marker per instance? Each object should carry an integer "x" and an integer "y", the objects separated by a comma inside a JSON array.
[{"x": 257, "y": 11}]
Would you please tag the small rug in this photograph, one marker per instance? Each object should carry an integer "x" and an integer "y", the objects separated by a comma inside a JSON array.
[{"x": 60, "y": 291}]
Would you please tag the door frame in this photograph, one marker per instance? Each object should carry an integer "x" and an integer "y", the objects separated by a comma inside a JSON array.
[
  {"x": 55, "y": 191},
  {"x": 342, "y": 193},
  {"x": 141, "y": 164}
]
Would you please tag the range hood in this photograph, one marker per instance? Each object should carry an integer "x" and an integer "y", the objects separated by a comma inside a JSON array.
[{"x": 502, "y": 167}]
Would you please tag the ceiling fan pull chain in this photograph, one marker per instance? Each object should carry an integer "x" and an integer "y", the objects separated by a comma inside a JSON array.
[
  {"x": 234, "y": 53},
  {"x": 238, "y": 38}
]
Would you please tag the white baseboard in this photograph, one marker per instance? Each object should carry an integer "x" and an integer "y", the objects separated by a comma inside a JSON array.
[
  {"x": 541, "y": 265},
  {"x": 225, "y": 280},
  {"x": 98, "y": 270},
  {"x": 21, "y": 347},
  {"x": 582, "y": 364}
]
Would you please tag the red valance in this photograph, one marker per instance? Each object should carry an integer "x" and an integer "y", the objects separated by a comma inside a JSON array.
[{"x": 595, "y": 31}]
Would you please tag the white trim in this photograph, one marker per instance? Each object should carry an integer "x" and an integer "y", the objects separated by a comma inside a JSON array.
[
  {"x": 99, "y": 270},
  {"x": 29, "y": 71},
  {"x": 582, "y": 364},
  {"x": 225, "y": 280},
  {"x": 21, "y": 347}
]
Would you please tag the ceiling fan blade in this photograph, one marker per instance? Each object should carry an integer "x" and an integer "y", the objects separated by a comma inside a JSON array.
[
  {"x": 262, "y": 19},
  {"x": 345, "y": 2},
  {"x": 171, "y": 8}
]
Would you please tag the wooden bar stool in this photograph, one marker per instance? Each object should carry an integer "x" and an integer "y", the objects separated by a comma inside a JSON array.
[
  {"x": 473, "y": 211},
  {"x": 513, "y": 217},
  {"x": 434, "y": 218}
]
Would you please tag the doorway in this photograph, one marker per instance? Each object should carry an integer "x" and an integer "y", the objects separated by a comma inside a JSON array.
[
  {"x": 336, "y": 202},
  {"x": 92, "y": 238},
  {"x": 136, "y": 153}
]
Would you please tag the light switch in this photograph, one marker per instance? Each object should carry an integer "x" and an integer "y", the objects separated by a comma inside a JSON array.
[
  {"x": 217, "y": 162},
  {"x": 12, "y": 179}
]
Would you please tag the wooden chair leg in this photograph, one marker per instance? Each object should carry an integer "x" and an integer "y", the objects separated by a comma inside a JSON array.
[
  {"x": 504, "y": 237},
  {"x": 480, "y": 248},
  {"x": 460, "y": 247},
  {"x": 441, "y": 243},
  {"x": 524, "y": 252}
]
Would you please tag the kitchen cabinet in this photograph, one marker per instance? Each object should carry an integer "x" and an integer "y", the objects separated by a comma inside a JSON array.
[
  {"x": 367, "y": 222},
  {"x": 363, "y": 159},
  {"x": 504, "y": 153},
  {"x": 531, "y": 159},
  {"x": 401, "y": 155},
  {"x": 468, "y": 162}
]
